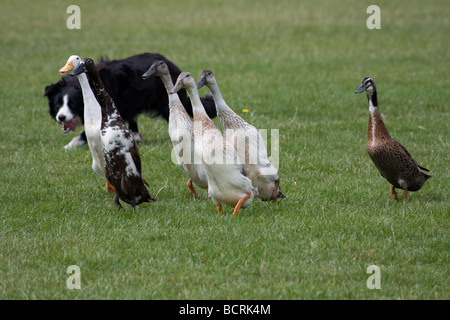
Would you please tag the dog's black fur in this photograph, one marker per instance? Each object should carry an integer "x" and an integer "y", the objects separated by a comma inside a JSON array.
[{"x": 133, "y": 95}]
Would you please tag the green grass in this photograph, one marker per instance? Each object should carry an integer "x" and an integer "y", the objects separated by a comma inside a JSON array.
[{"x": 294, "y": 66}]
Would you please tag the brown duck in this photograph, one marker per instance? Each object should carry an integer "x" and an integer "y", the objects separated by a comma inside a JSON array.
[
  {"x": 122, "y": 161},
  {"x": 392, "y": 159}
]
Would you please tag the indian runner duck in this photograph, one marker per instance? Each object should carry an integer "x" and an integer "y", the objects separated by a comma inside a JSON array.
[
  {"x": 226, "y": 180},
  {"x": 92, "y": 118},
  {"x": 181, "y": 130},
  {"x": 247, "y": 141},
  {"x": 122, "y": 161},
  {"x": 392, "y": 159}
]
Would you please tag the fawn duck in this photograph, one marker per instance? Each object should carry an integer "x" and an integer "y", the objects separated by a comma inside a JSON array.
[
  {"x": 226, "y": 180},
  {"x": 181, "y": 130},
  {"x": 248, "y": 143}
]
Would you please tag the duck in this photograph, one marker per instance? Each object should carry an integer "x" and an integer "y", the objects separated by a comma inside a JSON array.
[
  {"x": 227, "y": 182},
  {"x": 122, "y": 161},
  {"x": 247, "y": 141},
  {"x": 392, "y": 159},
  {"x": 92, "y": 118},
  {"x": 181, "y": 130}
]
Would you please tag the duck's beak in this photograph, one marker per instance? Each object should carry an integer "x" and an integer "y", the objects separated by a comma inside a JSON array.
[
  {"x": 201, "y": 82},
  {"x": 79, "y": 69},
  {"x": 67, "y": 68},
  {"x": 177, "y": 87},
  {"x": 149, "y": 73},
  {"x": 361, "y": 89}
]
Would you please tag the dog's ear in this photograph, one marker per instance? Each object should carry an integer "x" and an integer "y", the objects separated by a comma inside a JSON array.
[
  {"x": 48, "y": 90},
  {"x": 54, "y": 87}
]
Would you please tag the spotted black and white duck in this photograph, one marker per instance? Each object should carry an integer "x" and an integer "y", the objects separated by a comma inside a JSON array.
[
  {"x": 181, "y": 130},
  {"x": 122, "y": 161},
  {"x": 247, "y": 141},
  {"x": 226, "y": 180},
  {"x": 392, "y": 159},
  {"x": 92, "y": 118}
]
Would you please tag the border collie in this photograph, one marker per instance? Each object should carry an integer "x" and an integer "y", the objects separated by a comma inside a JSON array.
[{"x": 123, "y": 81}]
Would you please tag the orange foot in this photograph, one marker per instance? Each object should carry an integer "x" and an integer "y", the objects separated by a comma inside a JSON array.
[
  {"x": 240, "y": 202},
  {"x": 219, "y": 209},
  {"x": 110, "y": 188}
]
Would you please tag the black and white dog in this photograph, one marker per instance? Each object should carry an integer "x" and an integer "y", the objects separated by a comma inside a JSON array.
[{"x": 123, "y": 81}]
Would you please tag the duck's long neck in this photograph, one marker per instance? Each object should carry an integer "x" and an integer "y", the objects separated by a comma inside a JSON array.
[
  {"x": 221, "y": 105},
  {"x": 168, "y": 84},
  {"x": 82, "y": 78},
  {"x": 106, "y": 103},
  {"x": 92, "y": 111},
  {"x": 376, "y": 130},
  {"x": 197, "y": 106}
]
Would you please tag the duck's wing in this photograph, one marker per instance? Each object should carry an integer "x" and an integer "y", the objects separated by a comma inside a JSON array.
[
  {"x": 409, "y": 155},
  {"x": 423, "y": 168},
  {"x": 135, "y": 156},
  {"x": 127, "y": 186}
]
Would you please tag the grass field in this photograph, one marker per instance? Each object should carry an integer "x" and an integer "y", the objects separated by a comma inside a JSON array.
[{"x": 294, "y": 65}]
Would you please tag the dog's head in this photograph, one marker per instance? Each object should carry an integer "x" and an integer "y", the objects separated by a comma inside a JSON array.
[{"x": 65, "y": 102}]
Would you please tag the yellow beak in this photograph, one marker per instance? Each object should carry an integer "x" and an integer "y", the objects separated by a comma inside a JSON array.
[{"x": 67, "y": 68}]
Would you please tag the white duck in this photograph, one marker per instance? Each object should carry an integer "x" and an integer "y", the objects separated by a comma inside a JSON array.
[
  {"x": 181, "y": 130},
  {"x": 248, "y": 143},
  {"x": 92, "y": 120},
  {"x": 226, "y": 180}
]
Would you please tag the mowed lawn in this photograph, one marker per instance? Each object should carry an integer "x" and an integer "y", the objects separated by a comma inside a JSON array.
[{"x": 294, "y": 65}]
